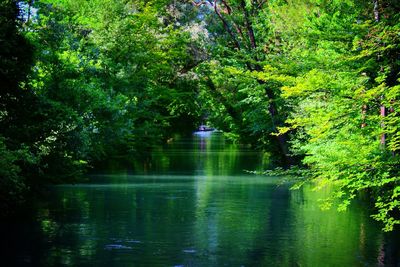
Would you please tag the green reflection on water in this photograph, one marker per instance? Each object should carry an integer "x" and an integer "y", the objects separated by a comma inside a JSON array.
[{"x": 191, "y": 204}]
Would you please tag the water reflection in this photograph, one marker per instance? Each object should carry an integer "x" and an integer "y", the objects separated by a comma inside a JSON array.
[{"x": 194, "y": 206}]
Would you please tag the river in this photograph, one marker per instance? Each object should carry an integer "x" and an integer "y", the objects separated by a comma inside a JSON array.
[{"x": 192, "y": 204}]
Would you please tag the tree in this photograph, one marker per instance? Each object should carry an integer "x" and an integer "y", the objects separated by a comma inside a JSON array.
[
  {"x": 15, "y": 62},
  {"x": 240, "y": 49},
  {"x": 87, "y": 81},
  {"x": 349, "y": 74}
]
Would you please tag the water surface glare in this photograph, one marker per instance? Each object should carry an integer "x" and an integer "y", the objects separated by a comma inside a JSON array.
[{"x": 192, "y": 204}]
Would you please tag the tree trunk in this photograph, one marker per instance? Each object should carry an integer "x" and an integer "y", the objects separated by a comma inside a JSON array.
[
  {"x": 240, "y": 43},
  {"x": 382, "y": 108},
  {"x": 383, "y": 136},
  {"x": 376, "y": 10}
]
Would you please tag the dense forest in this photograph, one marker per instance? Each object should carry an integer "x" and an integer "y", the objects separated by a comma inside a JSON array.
[{"x": 314, "y": 83}]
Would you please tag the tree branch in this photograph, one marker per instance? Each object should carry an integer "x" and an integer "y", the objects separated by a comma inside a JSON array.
[
  {"x": 226, "y": 26},
  {"x": 248, "y": 24},
  {"x": 198, "y": 3}
]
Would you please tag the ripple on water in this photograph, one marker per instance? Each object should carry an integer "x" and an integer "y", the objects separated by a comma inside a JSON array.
[
  {"x": 116, "y": 247},
  {"x": 189, "y": 251},
  {"x": 134, "y": 241}
]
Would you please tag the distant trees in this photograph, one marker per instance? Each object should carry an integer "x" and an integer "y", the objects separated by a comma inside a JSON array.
[{"x": 241, "y": 46}]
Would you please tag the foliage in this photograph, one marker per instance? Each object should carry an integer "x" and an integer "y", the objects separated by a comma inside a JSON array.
[
  {"x": 315, "y": 80},
  {"x": 347, "y": 74},
  {"x": 238, "y": 96},
  {"x": 85, "y": 81}
]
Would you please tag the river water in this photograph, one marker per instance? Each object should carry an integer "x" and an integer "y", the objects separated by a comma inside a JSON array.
[{"x": 192, "y": 204}]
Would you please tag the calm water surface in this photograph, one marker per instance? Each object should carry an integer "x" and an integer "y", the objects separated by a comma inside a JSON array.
[{"x": 192, "y": 204}]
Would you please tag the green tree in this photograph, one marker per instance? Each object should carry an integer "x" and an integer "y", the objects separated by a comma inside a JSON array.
[
  {"x": 347, "y": 81},
  {"x": 15, "y": 62},
  {"x": 85, "y": 81},
  {"x": 241, "y": 46}
]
